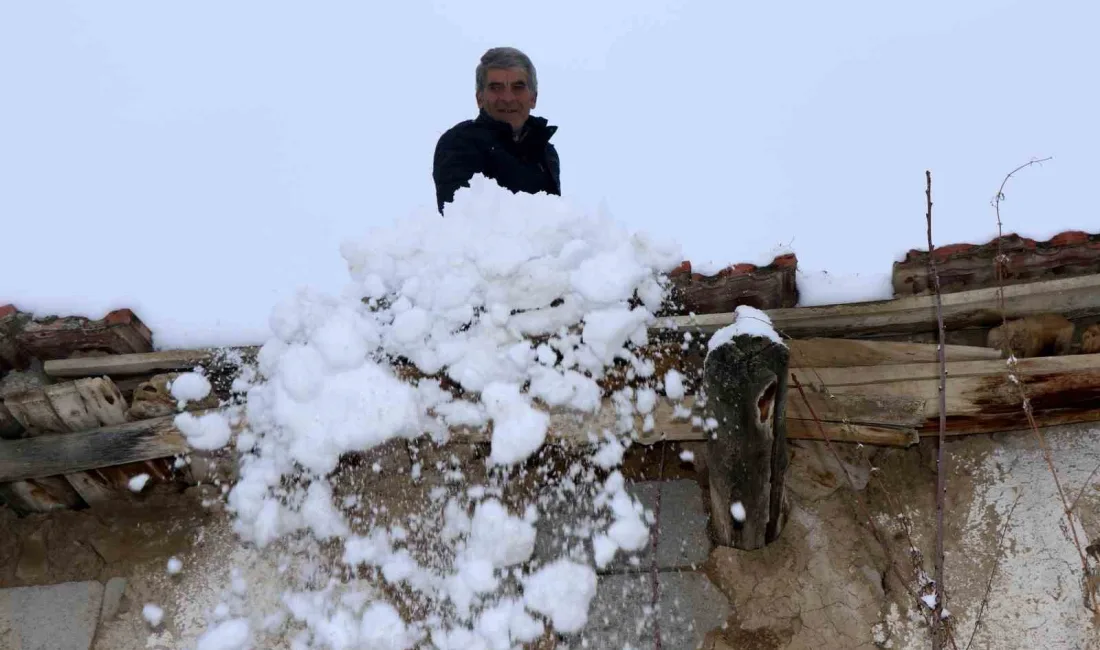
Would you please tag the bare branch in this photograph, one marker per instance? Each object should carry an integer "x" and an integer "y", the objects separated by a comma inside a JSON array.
[{"x": 941, "y": 471}]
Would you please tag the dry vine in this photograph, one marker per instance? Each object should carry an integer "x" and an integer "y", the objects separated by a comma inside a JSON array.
[{"x": 1001, "y": 262}]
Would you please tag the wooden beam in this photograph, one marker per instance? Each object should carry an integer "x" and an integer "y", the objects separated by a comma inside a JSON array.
[
  {"x": 998, "y": 369},
  {"x": 1077, "y": 297},
  {"x": 52, "y": 454},
  {"x": 129, "y": 364},
  {"x": 842, "y": 353}
]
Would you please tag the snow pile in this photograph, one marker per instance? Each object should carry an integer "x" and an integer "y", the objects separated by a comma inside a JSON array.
[{"x": 510, "y": 304}]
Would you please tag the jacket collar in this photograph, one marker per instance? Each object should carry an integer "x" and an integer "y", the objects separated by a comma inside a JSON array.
[{"x": 536, "y": 128}]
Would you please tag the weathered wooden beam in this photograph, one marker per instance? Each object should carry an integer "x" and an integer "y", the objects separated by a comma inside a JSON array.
[
  {"x": 81, "y": 405},
  {"x": 842, "y": 353},
  {"x": 964, "y": 267},
  {"x": 1074, "y": 298},
  {"x": 995, "y": 369},
  {"x": 137, "y": 364},
  {"x": 746, "y": 384},
  {"x": 53, "y": 454}
]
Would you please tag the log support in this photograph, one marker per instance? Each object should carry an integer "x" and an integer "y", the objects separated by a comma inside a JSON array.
[{"x": 746, "y": 386}]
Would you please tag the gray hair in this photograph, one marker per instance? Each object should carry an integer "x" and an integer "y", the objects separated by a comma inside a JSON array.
[{"x": 502, "y": 58}]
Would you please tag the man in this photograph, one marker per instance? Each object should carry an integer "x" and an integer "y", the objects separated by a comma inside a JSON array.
[{"x": 505, "y": 142}]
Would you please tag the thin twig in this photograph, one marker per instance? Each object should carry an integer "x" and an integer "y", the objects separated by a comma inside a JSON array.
[
  {"x": 941, "y": 471},
  {"x": 996, "y": 561}
]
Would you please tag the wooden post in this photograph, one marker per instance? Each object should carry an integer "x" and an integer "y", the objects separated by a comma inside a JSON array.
[{"x": 746, "y": 385}]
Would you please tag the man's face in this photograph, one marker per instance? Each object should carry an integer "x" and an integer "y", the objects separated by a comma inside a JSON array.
[{"x": 506, "y": 96}]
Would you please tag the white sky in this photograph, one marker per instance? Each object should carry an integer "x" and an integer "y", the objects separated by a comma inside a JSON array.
[{"x": 198, "y": 161}]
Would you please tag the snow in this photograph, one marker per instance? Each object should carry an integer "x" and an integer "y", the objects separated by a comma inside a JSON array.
[
  {"x": 174, "y": 565},
  {"x": 190, "y": 387},
  {"x": 748, "y": 321},
  {"x": 152, "y": 614},
  {"x": 737, "y": 509},
  {"x": 233, "y": 634},
  {"x": 464, "y": 299},
  {"x": 687, "y": 456},
  {"x": 137, "y": 483},
  {"x": 674, "y": 385},
  {"x": 207, "y": 431},
  {"x": 381, "y": 628},
  {"x": 562, "y": 590}
]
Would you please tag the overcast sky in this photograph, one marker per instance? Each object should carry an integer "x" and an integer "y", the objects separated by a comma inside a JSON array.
[{"x": 144, "y": 145}]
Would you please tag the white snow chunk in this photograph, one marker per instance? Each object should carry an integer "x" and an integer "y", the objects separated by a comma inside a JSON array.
[
  {"x": 137, "y": 483},
  {"x": 646, "y": 399},
  {"x": 929, "y": 600},
  {"x": 174, "y": 565},
  {"x": 208, "y": 431},
  {"x": 604, "y": 549},
  {"x": 152, "y": 614},
  {"x": 499, "y": 537},
  {"x": 610, "y": 454},
  {"x": 561, "y": 590},
  {"x": 674, "y": 385},
  {"x": 519, "y": 429},
  {"x": 607, "y": 330},
  {"x": 233, "y": 634},
  {"x": 738, "y": 511},
  {"x": 687, "y": 456},
  {"x": 190, "y": 387},
  {"x": 750, "y": 321}
]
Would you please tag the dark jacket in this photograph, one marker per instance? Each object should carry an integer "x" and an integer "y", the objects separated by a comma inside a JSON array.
[{"x": 486, "y": 146}]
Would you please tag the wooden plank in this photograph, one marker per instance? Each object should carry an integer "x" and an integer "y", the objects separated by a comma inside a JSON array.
[
  {"x": 45, "y": 493},
  {"x": 141, "y": 363},
  {"x": 836, "y": 422},
  {"x": 48, "y": 455},
  {"x": 129, "y": 364},
  {"x": 1072, "y": 297},
  {"x": 842, "y": 353},
  {"x": 835, "y": 377},
  {"x": 992, "y": 395}
]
